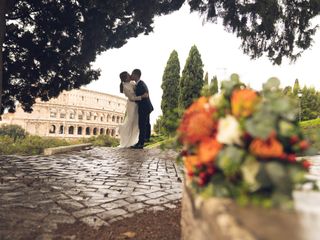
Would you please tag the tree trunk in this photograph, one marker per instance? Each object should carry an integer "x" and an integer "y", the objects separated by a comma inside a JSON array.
[{"x": 3, "y": 8}]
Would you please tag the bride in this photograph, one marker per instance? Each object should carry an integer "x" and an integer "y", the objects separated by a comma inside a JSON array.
[{"x": 129, "y": 130}]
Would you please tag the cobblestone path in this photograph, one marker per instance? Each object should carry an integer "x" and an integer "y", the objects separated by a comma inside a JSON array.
[{"x": 96, "y": 186}]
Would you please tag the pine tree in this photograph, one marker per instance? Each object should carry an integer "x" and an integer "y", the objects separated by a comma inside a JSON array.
[
  {"x": 296, "y": 87},
  {"x": 170, "y": 98},
  {"x": 191, "y": 81},
  {"x": 206, "y": 79},
  {"x": 214, "y": 88}
]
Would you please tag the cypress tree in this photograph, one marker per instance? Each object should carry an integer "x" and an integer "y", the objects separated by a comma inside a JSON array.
[
  {"x": 191, "y": 81},
  {"x": 296, "y": 87},
  {"x": 170, "y": 96},
  {"x": 214, "y": 86}
]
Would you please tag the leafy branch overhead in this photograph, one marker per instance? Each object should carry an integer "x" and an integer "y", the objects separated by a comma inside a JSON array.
[
  {"x": 48, "y": 46},
  {"x": 277, "y": 28}
]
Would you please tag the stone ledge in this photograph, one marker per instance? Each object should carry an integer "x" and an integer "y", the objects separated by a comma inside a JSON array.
[
  {"x": 63, "y": 149},
  {"x": 223, "y": 219}
]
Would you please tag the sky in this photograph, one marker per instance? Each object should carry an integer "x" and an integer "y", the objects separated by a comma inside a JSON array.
[{"x": 220, "y": 52}]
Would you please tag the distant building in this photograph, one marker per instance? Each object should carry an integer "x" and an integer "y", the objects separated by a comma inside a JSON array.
[{"x": 74, "y": 114}]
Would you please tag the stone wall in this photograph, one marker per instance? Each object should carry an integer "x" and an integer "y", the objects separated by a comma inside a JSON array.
[{"x": 222, "y": 219}]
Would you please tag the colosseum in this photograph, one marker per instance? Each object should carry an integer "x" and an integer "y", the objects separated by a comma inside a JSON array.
[{"x": 74, "y": 114}]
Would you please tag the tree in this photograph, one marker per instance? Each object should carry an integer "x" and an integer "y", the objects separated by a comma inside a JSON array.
[
  {"x": 48, "y": 46},
  {"x": 310, "y": 103},
  {"x": 214, "y": 88},
  {"x": 275, "y": 28},
  {"x": 206, "y": 79},
  {"x": 287, "y": 91},
  {"x": 191, "y": 81},
  {"x": 170, "y": 98},
  {"x": 296, "y": 87}
]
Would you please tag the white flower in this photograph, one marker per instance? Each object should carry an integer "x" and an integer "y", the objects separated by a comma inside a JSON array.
[
  {"x": 229, "y": 131},
  {"x": 216, "y": 100}
]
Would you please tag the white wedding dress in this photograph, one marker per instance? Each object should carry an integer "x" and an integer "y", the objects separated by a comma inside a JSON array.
[{"x": 129, "y": 130}]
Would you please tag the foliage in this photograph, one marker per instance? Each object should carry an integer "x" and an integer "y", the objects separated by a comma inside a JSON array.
[
  {"x": 246, "y": 146},
  {"x": 30, "y": 145},
  {"x": 170, "y": 98},
  {"x": 309, "y": 100},
  {"x": 210, "y": 89},
  {"x": 102, "y": 141},
  {"x": 191, "y": 81},
  {"x": 206, "y": 79},
  {"x": 262, "y": 25},
  {"x": 13, "y": 131},
  {"x": 296, "y": 87},
  {"x": 311, "y": 130},
  {"x": 314, "y": 123},
  {"x": 49, "y": 45}
]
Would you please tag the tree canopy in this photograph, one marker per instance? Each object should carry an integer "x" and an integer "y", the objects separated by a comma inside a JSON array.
[
  {"x": 49, "y": 44},
  {"x": 278, "y": 28},
  {"x": 191, "y": 81}
]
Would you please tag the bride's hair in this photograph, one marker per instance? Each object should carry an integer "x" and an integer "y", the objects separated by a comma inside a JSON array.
[{"x": 123, "y": 78}]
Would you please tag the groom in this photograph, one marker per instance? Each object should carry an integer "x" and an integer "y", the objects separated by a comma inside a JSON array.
[{"x": 144, "y": 109}]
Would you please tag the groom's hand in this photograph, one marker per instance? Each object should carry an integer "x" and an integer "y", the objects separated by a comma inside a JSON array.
[{"x": 145, "y": 95}]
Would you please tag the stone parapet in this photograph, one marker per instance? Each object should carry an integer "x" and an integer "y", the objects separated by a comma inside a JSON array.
[
  {"x": 223, "y": 219},
  {"x": 63, "y": 149}
]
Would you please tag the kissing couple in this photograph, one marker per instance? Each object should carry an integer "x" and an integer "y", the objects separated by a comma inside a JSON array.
[{"x": 136, "y": 128}]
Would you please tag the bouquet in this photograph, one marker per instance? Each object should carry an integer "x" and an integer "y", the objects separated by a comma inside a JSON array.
[{"x": 244, "y": 144}]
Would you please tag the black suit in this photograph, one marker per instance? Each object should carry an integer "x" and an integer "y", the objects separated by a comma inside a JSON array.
[{"x": 144, "y": 109}]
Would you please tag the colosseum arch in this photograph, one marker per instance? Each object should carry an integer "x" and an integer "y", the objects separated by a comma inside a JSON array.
[
  {"x": 61, "y": 129},
  {"x": 71, "y": 130},
  {"x": 101, "y": 131},
  {"x": 108, "y": 118},
  {"x": 108, "y": 131},
  {"x": 118, "y": 119},
  {"x": 72, "y": 114},
  {"x": 113, "y": 118},
  {"x": 87, "y": 130},
  {"x": 79, "y": 131},
  {"x": 52, "y": 129},
  {"x": 113, "y": 132},
  {"x": 95, "y": 131}
]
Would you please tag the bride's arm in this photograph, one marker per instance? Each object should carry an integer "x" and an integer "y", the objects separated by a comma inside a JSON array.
[{"x": 129, "y": 92}]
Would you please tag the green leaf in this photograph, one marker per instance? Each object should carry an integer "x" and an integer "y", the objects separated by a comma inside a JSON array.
[
  {"x": 287, "y": 129},
  {"x": 261, "y": 125},
  {"x": 230, "y": 159},
  {"x": 250, "y": 169},
  {"x": 272, "y": 84},
  {"x": 279, "y": 177}
]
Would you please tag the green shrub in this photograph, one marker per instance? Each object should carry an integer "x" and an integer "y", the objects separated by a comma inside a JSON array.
[
  {"x": 7, "y": 145},
  {"x": 33, "y": 145},
  {"x": 13, "y": 131},
  {"x": 103, "y": 141}
]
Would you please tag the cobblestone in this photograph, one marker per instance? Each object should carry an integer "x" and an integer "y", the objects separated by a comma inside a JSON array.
[{"x": 97, "y": 186}]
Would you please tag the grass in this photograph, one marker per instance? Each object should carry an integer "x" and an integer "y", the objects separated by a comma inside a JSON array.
[{"x": 311, "y": 130}]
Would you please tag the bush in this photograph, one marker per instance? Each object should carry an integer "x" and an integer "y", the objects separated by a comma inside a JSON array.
[
  {"x": 7, "y": 145},
  {"x": 33, "y": 145},
  {"x": 13, "y": 131},
  {"x": 103, "y": 141}
]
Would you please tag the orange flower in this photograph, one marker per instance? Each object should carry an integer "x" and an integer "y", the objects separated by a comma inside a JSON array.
[
  {"x": 197, "y": 122},
  {"x": 190, "y": 162},
  {"x": 197, "y": 105},
  {"x": 270, "y": 148},
  {"x": 208, "y": 150},
  {"x": 200, "y": 125},
  {"x": 243, "y": 102}
]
